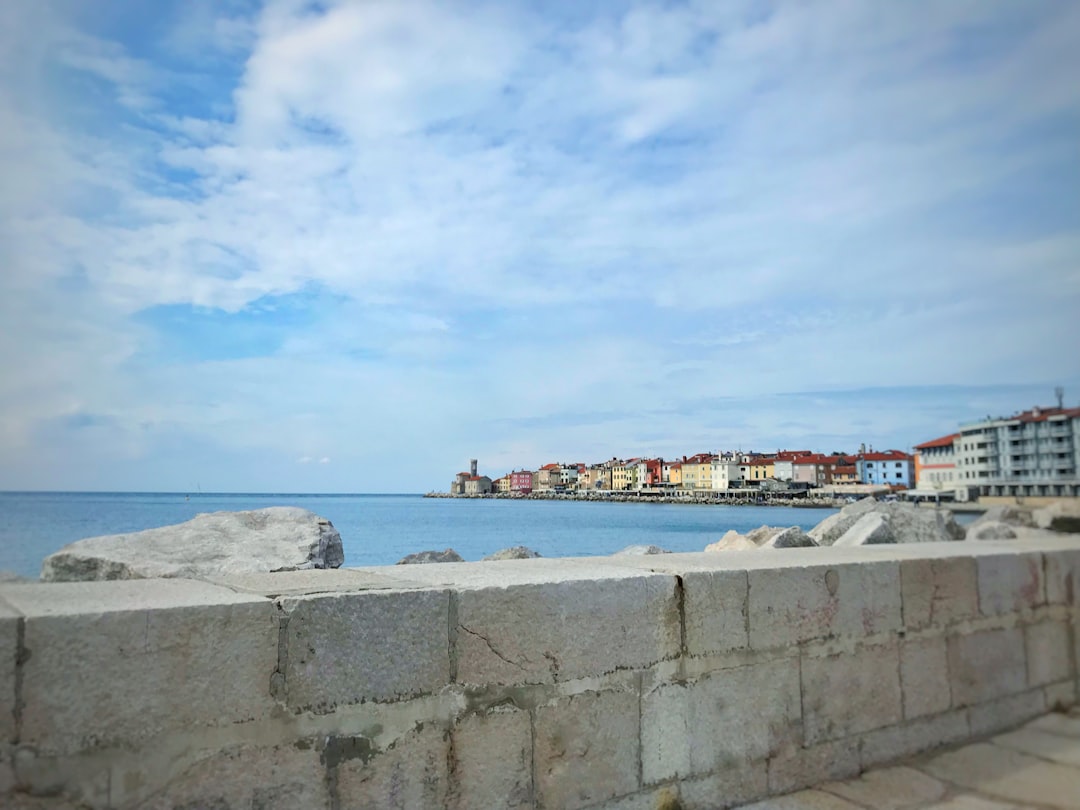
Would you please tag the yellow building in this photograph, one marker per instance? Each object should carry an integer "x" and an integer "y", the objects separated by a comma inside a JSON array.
[
  {"x": 675, "y": 474},
  {"x": 759, "y": 469},
  {"x": 501, "y": 484},
  {"x": 624, "y": 476},
  {"x": 697, "y": 472}
]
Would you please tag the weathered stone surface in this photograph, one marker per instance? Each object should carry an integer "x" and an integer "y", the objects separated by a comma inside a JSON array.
[
  {"x": 269, "y": 778},
  {"x": 987, "y": 665},
  {"x": 493, "y": 755},
  {"x": 991, "y": 530},
  {"x": 445, "y": 556},
  {"x": 9, "y": 650},
  {"x": 904, "y": 522},
  {"x": 279, "y": 538},
  {"x": 794, "y": 604},
  {"x": 804, "y": 800},
  {"x": 889, "y": 789},
  {"x": 714, "y": 606},
  {"x": 149, "y": 655},
  {"x": 1049, "y": 653},
  {"x": 1009, "y": 515},
  {"x": 795, "y": 767},
  {"x": 1010, "y": 582},
  {"x": 642, "y": 550},
  {"x": 512, "y": 553},
  {"x": 732, "y": 541},
  {"x": 1067, "y": 725},
  {"x": 410, "y": 773},
  {"x": 939, "y": 592},
  {"x": 1005, "y": 713},
  {"x": 851, "y": 694},
  {"x": 1054, "y": 747},
  {"x": 1010, "y": 775},
  {"x": 924, "y": 677},
  {"x": 1060, "y": 516},
  {"x": 970, "y": 802},
  {"x": 586, "y": 749},
  {"x": 1060, "y": 696},
  {"x": 297, "y": 583},
  {"x": 11, "y": 576},
  {"x": 791, "y": 537},
  {"x": 757, "y": 706},
  {"x": 371, "y": 645},
  {"x": 1062, "y": 570},
  {"x": 730, "y": 786},
  {"x": 870, "y": 529},
  {"x": 914, "y": 737},
  {"x": 557, "y": 631}
]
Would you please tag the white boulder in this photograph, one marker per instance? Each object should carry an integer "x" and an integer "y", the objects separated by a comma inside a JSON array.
[
  {"x": 1060, "y": 516},
  {"x": 906, "y": 522},
  {"x": 641, "y": 550},
  {"x": 420, "y": 557},
  {"x": 209, "y": 546},
  {"x": 991, "y": 530},
  {"x": 871, "y": 529},
  {"x": 513, "y": 553}
]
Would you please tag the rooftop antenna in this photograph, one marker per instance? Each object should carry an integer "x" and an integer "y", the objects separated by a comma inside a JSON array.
[{"x": 1059, "y": 392}]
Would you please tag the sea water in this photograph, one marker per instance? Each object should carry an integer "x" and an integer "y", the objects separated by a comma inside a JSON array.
[{"x": 381, "y": 529}]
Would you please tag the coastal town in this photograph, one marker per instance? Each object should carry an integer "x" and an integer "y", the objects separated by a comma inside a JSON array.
[{"x": 1032, "y": 454}]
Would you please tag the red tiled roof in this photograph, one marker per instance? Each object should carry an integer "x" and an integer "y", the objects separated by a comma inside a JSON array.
[
  {"x": 888, "y": 455},
  {"x": 550, "y": 467},
  {"x": 1045, "y": 413},
  {"x": 944, "y": 441},
  {"x": 845, "y": 470}
]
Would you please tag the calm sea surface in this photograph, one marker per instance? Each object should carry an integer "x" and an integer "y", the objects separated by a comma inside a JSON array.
[{"x": 381, "y": 529}]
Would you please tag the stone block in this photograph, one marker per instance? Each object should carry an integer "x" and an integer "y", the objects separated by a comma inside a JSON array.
[
  {"x": 1063, "y": 577},
  {"x": 586, "y": 749},
  {"x": 148, "y": 655},
  {"x": 1049, "y": 652},
  {"x": 728, "y": 787},
  {"x": 9, "y": 652},
  {"x": 1060, "y": 696},
  {"x": 890, "y": 789},
  {"x": 371, "y": 645},
  {"x": 939, "y": 592},
  {"x": 987, "y": 665},
  {"x": 791, "y": 605},
  {"x": 798, "y": 768},
  {"x": 756, "y": 707},
  {"x": 914, "y": 737},
  {"x": 665, "y": 797},
  {"x": 1004, "y": 713},
  {"x": 281, "y": 777},
  {"x": 1067, "y": 725},
  {"x": 851, "y": 693},
  {"x": 493, "y": 759},
  {"x": 1054, "y": 747},
  {"x": 559, "y": 631},
  {"x": 714, "y": 605},
  {"x": 314, "y": 580},
  {"x": 924, "y": 677},
  {"x": 665, "y": 733},
  {"x": 412, "y": 772},
  {"x": 1007, "y": 775},
  {"x": 804, "y": 800},
  {"x": 1010, "y": 583}
]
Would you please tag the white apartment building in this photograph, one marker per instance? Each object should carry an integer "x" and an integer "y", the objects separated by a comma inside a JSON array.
[
  {"x": 725, "y": 474},
  {"x": 1036, "y": 452}
]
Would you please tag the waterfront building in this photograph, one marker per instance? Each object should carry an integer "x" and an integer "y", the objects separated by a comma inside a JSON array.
[
  {"x": 935, "y": 464},
  {"x": 892, "y": 468},
  {"x": 501, "y": 484},
  {"x": 457, "y": 486},
  {"x": 674, "y": 474},
  {"x": 547, "y": 478},
  {"x": 725, "y": 474},
  {"x": 477, "y": 485},
  {"x": 697, "y": 471},
  {"x": 568, "y": 475},
  {"x": 521, "y": 482},
  {"x": 759, "y": 469},
  {"x": 845, "y": 474},
  {"x": 624, "y": 476},
  {"x": 1032, "y": 453}
]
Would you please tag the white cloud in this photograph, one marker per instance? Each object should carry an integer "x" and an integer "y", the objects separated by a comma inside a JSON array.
[{"x": 524, "y": 216}]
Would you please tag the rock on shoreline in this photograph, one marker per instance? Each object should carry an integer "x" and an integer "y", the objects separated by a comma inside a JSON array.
[{"x": 209, "y": 546}]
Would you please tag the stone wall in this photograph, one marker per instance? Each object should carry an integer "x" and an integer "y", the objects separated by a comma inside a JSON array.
[{"x": 671, "y": 681}]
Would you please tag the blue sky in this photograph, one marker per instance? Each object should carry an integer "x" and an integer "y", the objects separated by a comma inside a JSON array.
[{"x": 346, "y": 246}]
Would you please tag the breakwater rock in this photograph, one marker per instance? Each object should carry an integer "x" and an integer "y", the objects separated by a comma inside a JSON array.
[
  {"x": 514, "y": 553},
  {"x": 208, "y": 547},
  {"x": 421, "y": 557}
]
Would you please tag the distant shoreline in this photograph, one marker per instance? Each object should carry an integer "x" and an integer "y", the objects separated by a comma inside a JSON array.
[{"x": 704, "y": 499}]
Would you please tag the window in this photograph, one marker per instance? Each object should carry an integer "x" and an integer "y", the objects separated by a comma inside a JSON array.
[{"x": 898, "y": 464}]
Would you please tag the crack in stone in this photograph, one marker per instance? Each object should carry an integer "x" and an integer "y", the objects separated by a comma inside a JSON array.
[{"x": 491, "y": 646}]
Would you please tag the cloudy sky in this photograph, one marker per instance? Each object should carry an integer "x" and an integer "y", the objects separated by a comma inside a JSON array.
[{"x": 346, "y": 246}]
